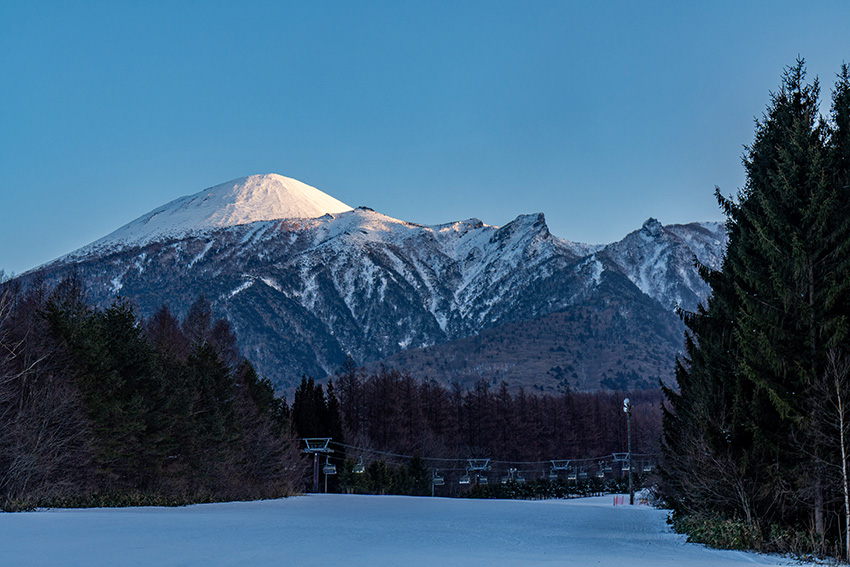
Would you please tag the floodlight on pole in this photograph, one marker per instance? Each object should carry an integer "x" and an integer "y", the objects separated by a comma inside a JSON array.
[{"x": 627, "y": 408}]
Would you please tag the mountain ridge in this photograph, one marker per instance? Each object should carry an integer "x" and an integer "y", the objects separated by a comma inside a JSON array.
[{"x": 305, "y": 293}]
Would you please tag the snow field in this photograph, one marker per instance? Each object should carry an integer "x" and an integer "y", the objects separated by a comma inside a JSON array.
[{"x": 355, "y": 531}]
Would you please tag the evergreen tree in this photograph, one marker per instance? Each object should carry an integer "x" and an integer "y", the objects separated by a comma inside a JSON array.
[
  {"x": 420, "y": 477},
  {"x": 332, "y": 418},
  {"x": 757, "y": 354},
  {"x": 350, "y": 386},
  {"x": 308, "y": 410},
  {"x": 163, "y": 332},
  {"x": 198, "y": 321}
]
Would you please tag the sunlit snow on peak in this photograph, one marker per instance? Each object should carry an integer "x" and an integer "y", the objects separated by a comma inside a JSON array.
[{"x": 238, "y": 202}]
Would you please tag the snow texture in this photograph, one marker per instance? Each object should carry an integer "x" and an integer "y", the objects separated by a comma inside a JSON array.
[
  {"x": 358, "y": 531},
  {"x": 241, "y": 201},
  {"x": 357, "y": 282}
]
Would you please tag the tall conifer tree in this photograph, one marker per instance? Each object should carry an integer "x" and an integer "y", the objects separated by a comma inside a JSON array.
[{"x": 742, "y": 437}]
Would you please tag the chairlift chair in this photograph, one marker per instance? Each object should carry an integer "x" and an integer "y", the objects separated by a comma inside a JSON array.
[
  {"x": 600, "y": 474},
  {"x": 329, "y": 469},
  {"x": 482, "y": 480},
  {"x": 571, "y": 475},
  {"x": 359, "y": 468},
  {"x": 464, "y": 479},
  {"x": 553, "y": 476},
  {"x": 647, "y": 467},
  {"x": 437, "y": 480},
  {"x": 582, "y": 475}
]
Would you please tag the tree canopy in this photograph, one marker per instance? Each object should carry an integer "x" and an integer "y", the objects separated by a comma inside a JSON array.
[{"x": 747, "y": 436}]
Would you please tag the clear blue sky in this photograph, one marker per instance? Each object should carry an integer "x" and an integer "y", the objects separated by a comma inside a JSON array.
[{"x": 599, "y": 114}]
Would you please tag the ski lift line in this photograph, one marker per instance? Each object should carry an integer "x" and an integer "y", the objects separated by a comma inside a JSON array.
[
  {"x": 648, "y": 456},
  {"x": 389, "y": 454}
]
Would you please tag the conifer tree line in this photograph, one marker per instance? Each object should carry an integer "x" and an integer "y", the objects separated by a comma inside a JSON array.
[
  {"x": 392, "y": 411},
  {"x": 755, "y": 440},
  {"x": 100, "y": 408}
]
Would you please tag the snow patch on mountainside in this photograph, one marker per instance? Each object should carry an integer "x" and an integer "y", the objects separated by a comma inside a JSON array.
[
  {"x": 358, "y": 282},
  {"x": 242, "y": 287},
  {"x": 653, "y": 258}
]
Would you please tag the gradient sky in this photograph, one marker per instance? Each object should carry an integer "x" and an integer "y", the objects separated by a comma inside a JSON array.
[{"x": 599, "y": 114}]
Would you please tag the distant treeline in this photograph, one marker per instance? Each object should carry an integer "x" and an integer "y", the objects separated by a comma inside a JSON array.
[
  {"x": 100, "y": 408},
  {"x": 389, "y": 411}
]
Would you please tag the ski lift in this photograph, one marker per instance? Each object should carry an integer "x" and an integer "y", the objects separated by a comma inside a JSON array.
[
  {"x": 520, "y": 480},
  {"x": 571, "y": 475},
  {"x": 506, "y": 479},
  {"x": 437, "y": 480},
  {"x": 482, "y": 480},
  {"x": 553, "y": 476},
  {"x": 359, "y": 468},
  {"x": 464, "y": 479},
  {"x": 316, "y": 445},
  {"x": 582, "y": 475},
  {"x": 625, "y": 467},
  {"x": 329, "y": 468},
  {"x": 478, "y": 464},
  {"x": 600, "y": 474},
  {"x": 647, "y": 467}
]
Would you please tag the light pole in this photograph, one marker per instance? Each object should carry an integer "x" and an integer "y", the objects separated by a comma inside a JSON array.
[{"x": 627, "y": 407}]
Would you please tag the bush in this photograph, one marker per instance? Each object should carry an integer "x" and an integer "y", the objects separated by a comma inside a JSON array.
[
  {"x": 540, "y": 489},
  {"x": 715, "y": 531}
]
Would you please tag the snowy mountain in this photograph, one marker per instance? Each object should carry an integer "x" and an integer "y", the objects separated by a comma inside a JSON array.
[
  {"x": 305, "y": 280},
  {"x": 237, "y": 202},
  {"x": 659, "y": 260}
]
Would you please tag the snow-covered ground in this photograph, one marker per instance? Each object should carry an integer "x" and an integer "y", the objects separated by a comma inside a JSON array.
[{"x": 352, "y": 531}]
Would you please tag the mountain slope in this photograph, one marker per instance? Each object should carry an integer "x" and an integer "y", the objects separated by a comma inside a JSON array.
[
  {"x": 659, "y": 260},
  {"x": 303, "y": 293},
  {"x": 612, "y": 338},
  {"x": 241, "y": 201}
]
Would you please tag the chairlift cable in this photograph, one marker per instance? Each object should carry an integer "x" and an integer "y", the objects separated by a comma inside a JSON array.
[{"x": 648, "y": 456}]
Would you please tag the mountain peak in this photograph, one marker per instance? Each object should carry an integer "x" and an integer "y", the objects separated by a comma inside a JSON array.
[
  {"x": 266, "y": 197},
  {"x": 240, "y": 201},
  {"x": 651, "y": 227}
]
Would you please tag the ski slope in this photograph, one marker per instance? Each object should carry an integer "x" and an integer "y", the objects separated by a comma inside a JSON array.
[{"x": 353, "y": 531}]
